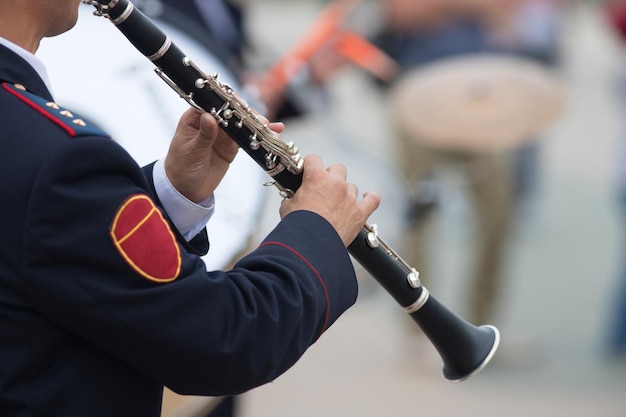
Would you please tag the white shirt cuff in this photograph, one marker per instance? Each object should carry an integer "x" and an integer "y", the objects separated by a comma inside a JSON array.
[{"x": 188, "y": 217}]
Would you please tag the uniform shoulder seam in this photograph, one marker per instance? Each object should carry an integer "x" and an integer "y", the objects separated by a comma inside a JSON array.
[{"x": 63, "y": 118}]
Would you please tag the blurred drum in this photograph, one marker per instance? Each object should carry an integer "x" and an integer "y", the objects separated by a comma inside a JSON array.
[
  {"x": 477, "y": 102},
  {"x": 95, "y": 71}
]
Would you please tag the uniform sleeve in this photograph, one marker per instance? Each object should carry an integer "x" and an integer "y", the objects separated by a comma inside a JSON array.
[
  {"x": 188, "y": 217},
  {"x": 102, "y": 262},
  {"x": 198, "y": 244}
]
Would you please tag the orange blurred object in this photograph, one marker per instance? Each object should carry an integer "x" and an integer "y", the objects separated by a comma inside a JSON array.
[
  {"x": 327, "y": 31},
  {"x": 366, "y": 55}
]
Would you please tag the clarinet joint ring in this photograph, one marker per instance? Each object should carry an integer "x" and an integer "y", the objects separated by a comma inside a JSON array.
[{"x": 419, "y": 303}]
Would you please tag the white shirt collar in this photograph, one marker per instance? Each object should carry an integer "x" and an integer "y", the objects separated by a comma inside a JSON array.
[{"x": 32, "y": 60}]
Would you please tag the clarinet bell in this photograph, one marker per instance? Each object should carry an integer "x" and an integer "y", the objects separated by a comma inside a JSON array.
[
  {"x": 461, "y": 367},
  {"x": 464, "y": 348}
]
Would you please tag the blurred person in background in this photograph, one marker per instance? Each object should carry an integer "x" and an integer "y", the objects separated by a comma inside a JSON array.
[
  {"x": 616, "y": 20},
  {"x": 223, "y": 21},
  {"x": 530, "y": 29},
  {"x": 416, "y": 33}
]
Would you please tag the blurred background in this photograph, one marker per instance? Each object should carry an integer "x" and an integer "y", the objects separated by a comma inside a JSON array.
[{"x": 562, "y": 273}]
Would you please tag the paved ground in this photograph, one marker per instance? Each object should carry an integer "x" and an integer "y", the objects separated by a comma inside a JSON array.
[{"x": 562, "y": 270}]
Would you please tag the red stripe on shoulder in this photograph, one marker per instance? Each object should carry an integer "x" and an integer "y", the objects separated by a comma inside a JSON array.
[
  {"x": 319, "y": 277},
  {"x": 38, "y": 108}
]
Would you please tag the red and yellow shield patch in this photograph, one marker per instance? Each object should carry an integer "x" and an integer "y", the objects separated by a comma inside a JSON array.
[{"x": 145, "y": 240}]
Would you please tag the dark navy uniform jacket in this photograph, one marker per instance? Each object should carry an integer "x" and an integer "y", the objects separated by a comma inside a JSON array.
[{"x": 102, "y": 303}]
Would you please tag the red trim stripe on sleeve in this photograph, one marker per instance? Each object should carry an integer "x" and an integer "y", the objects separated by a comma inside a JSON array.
[{"x": 319, "y": 277}]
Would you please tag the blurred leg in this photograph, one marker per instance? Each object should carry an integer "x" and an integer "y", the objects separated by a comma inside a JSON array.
[
  {"x": 617, "y": 341},
  {"x": 225, "y": 408},
  {"x": 491, "y": 192},
  {"x": 417, "y": 163}
]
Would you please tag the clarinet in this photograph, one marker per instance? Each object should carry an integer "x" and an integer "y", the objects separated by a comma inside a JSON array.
[{"x": 464, "y": 348}]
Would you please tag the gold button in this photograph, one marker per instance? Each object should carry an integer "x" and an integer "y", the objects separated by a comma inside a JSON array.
[
  {"x": 66, "y": 113},
  {"x": 52, "y": 105},
  {"x": 79, "y": 122}
]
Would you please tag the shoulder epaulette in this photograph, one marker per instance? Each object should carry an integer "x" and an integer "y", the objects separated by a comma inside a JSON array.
[{"x": 66, "y": 120}]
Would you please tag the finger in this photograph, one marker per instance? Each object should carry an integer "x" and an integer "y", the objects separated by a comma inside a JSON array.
[
  {"x": 284, "y": 207},
  {"x": 191, "y": 116},
  {"x": 188, "y": 123},
  {"x": 370, "y": 202},
  {"x": 225, "y": 147},
  {"x": 338, "y": 170},
  {"x": 278, "y": 127},
  {"x": 272, "y": 125},
  {"x": 353, "y": 190},
  {"x": 312, "y": 162}
]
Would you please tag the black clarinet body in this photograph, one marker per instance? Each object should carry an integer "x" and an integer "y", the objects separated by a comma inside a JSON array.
[{"x": 464, "y": 348}]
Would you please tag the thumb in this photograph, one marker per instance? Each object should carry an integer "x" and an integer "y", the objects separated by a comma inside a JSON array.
[
  {"x": 195, "y": 125},
  {"x": 207, "y": 128}
]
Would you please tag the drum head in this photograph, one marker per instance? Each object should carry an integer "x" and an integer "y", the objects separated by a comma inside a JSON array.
[
  {"x": 477, "y": 102},
  {"x": 96, "y": 72}
]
